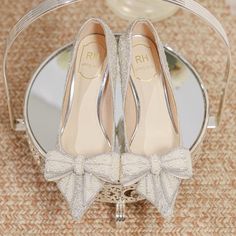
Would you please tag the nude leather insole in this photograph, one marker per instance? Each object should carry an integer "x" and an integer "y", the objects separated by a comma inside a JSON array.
[
  {"x": 155, "y": 132},
  {"x": 82, "y": 133}
]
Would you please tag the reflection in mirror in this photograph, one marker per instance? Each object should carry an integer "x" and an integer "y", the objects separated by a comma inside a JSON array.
[{"x": 46, "y": 91}]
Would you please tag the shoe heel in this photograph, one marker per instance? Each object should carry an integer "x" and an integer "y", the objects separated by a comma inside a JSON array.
[{"x": 120, "y": 213}]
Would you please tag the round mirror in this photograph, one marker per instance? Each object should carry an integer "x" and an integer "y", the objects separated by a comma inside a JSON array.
[{"x": 46, "y": 90}]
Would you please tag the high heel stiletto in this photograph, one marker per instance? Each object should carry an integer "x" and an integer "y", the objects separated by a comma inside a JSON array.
[
  {"x": 85, "y": 157},
  {"x": 154, "y": 156}
]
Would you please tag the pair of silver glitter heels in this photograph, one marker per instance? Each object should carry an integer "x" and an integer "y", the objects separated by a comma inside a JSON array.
[{"x": 88, "y": 154}]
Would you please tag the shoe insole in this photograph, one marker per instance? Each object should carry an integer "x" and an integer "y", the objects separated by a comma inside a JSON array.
[
  {"x": 82, "y": 134},
  {"x": 155, "y": 133}
]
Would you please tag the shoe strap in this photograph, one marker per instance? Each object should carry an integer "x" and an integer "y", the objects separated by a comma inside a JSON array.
[{"x": 50, "y": 5}]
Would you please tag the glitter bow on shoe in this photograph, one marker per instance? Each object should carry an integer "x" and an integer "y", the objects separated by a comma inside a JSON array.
[
  {"x": 158, "y": 177},
  {"x": 80, "y": 179}
]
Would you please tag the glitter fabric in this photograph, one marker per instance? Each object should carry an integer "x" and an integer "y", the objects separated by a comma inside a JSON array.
[
  {"x": 81, "y": 178},
  {"x": 158, "y": 177},
  {"x": 156, "y": 183}
]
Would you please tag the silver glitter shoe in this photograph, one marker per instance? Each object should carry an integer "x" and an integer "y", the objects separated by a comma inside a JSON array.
[
  {"x": 85, "y": 157},
  {"x": 154, "y": 157}
]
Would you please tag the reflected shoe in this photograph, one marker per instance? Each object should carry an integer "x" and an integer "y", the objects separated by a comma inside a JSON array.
[
  {"x": 85, "y": 158},
  {"x": 154, "y": 157}
]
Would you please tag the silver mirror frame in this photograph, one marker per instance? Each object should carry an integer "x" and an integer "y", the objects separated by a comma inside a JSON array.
[{"x": 47, "y": 6}]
